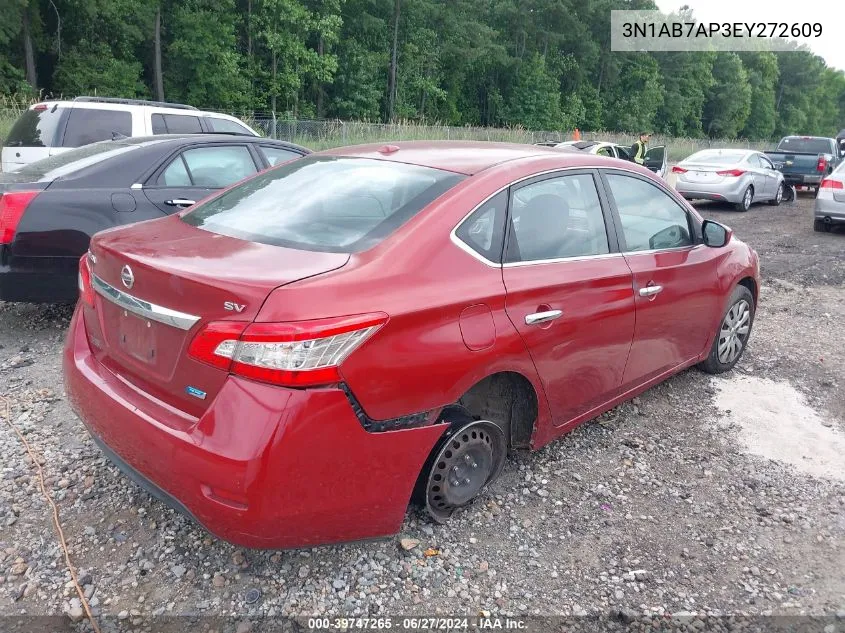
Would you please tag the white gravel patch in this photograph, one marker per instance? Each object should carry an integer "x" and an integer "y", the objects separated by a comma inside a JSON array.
[{"x": 776, "y": 422}]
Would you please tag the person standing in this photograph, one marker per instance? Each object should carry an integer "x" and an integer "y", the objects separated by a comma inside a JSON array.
[{"x": 639, "y": 148}]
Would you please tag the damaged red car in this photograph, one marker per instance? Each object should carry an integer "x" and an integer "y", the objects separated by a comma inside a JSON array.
[{"x": 291, "y": 361}]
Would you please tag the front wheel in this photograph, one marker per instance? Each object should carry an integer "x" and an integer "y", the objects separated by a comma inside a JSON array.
[
  {"x": 734, "y": 330},
  {"x": 747, "y": 198},
  {"x": 778, "y": 197}
]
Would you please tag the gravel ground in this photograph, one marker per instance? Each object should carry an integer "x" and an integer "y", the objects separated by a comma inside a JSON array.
[{"x": 659, "y": 507}]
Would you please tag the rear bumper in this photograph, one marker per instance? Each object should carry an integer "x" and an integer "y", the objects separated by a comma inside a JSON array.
[
  {"x": 724, "y": 191},
  {"x": 829, "y": 210},
  {"x": 264, "y": 467},
  {"x": 42, "y": 284},
  {"x": 802, "y": 179}
]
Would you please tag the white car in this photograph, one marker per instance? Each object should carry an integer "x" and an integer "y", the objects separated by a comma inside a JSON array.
[
  {"x": 655, "y": 158},
  {"x": 52, "y": 127}
]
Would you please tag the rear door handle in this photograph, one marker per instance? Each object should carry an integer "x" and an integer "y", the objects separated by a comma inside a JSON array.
[
  {"x": 543, "y": 317},
  {"x": 180, "y": 202},
  {"x": 650, "y": 291}
]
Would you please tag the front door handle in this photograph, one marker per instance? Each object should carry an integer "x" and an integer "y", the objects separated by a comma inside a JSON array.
[
  {"x": 543, "y": 317},
  {"x": 180, "y": 202},
  {"x": 650, "y": 291}
]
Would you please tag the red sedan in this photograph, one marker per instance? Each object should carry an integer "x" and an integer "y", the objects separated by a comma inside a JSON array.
[{"x": 291, "y": 360}]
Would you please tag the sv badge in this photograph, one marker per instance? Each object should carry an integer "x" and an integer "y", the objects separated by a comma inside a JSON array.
[{"x": 234, "y": 307}]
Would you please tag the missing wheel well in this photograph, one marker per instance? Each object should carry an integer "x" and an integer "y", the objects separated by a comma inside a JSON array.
[{"x": 509, "y": 400}]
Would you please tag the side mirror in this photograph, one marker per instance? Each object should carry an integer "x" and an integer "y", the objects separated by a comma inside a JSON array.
[{"x": 715, "y": 235}]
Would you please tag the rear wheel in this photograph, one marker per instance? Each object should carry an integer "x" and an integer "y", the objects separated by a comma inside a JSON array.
[
  {"x": 747, "y": 199},
  {"x": 734, "y": 330},
  {"x": 470, "y": 456},
  {"x": 778, "y": 197}
]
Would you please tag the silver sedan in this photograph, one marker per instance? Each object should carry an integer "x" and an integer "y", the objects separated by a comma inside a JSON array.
[
  {"x": 740, "y": 177},
  {"x": 830, "y": 201}
]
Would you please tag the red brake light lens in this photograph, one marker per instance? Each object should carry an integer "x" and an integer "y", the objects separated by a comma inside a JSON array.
[
  {"x": 822, "y": 164},
  {"x": 86, "y": 289},
  {"x": 731, "y": 172},
  {"x": 678, "y": 170},
  {"x": 828, "y": 183},
  {"x": 40, "y": 107},
  {"x": 12, "y": 206},
  {"x": 296, "y": 354}
]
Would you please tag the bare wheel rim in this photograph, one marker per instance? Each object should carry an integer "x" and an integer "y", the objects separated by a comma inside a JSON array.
[
  {"x": 746, "y": 200},
  {"x": 779, "y": 195},
  {"x": 467, "y": 462},
  {"x": 733, "y": 333}
]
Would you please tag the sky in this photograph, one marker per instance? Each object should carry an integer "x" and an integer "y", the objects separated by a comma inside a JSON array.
[{"x": 828, "y": 46}]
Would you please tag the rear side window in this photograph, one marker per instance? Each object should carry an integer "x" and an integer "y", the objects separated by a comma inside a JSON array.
[
  {"x": 276, "y": 155},
  {"x": 323, "y": 203},
  {"x": 225, "y": 125},
  {"x": 86, "y": 125},
  {"x": 36, "y": 128},
  {"x": 175, "y": 124},
  {"x": 483, "y": 231}
]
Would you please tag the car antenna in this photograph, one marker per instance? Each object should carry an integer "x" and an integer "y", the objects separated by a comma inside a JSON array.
[{"x": 117, "y": 136}]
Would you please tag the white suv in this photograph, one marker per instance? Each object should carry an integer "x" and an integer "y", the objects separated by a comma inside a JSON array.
[{"x": 52, "y": 127}]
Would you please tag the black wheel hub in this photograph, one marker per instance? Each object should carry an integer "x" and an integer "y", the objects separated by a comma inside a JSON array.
[{"x": 470, "y": 458}]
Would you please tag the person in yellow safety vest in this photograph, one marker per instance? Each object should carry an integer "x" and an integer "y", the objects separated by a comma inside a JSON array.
[{"x": 639, "y": 148}]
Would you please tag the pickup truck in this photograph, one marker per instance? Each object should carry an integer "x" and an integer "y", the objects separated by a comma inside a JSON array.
[{"x": 806, "y": 160}]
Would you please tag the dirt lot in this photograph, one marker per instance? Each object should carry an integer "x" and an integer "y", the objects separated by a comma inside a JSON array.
[{"x": 704, "y": 496}]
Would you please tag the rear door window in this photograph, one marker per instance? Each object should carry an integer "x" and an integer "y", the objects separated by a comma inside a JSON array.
[
  {"x": 324, "y": 203},
  {"x": 36, "y": 128},
  {"x": 87, "y": 125},
  {"x": 175, "y": 124},
  {"x": 211, "y": 167}
]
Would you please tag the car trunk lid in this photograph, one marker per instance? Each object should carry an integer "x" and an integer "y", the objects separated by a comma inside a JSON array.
[
  {"x": 702, "y": 173},
  {"x": 157, "y": 283}
]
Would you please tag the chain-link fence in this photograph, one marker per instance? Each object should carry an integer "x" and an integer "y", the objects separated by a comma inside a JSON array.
[
  {"x": 323, "y": 134},
  {"x": 333, "y": 133}
]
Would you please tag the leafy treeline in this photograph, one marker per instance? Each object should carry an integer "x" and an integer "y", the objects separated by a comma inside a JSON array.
[{"x": 542, "y": 64}]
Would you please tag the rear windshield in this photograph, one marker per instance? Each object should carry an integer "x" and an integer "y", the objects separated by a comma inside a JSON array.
[
  {"x": 36, "y": 128},
  {"x": 709, "y": 156},
  {"x": 323, "y": 203},
  {"x": 805, "y": 145},
  {"x": 62, "y": 164}
]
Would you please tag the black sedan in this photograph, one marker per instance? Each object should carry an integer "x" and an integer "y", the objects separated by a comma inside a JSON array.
[{"x": 50, "y": 209}]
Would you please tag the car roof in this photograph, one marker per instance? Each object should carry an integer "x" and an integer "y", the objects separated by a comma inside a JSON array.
[
  {"x": 465, "y": 157},
  {"x": 178, "y": 139}
]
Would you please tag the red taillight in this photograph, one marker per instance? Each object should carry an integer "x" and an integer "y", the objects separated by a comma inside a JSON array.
[
  {"x": 822, "y": 164},
  {"x": 678, "y": 170},
  {"x": 297, "y": 354},
  {"x": 12, "y": 206},
  {"x": 40, "y": 107},
  {"x": 211, "y": 337},
  {"x": 828, "y": 183},
  {"x": 86, "y": 290},
  {"x": 730, "y": 172}
]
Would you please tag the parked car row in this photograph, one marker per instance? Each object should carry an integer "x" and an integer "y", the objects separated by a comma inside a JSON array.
[
  {"x": 52, "y": 127},
  {"x": 50, "y": 209},
  {"x": 283, "y": 328}
]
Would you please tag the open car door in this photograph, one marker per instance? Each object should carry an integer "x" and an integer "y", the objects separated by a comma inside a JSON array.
[{"x": 655, "y": 160}]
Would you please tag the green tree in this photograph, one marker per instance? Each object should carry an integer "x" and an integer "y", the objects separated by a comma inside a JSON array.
[
  {"x": 534, "y": 101},
  {"x": 763, "y": 72},
  {"x": 729, "y": 98}
]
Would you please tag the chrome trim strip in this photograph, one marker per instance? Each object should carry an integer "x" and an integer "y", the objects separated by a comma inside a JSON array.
[
  {"x": 142, "y": 308},
  {"x": 560, "y": 260}
]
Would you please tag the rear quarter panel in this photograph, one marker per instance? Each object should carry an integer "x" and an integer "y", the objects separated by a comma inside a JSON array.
[{"x": 418, "y": 361}]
